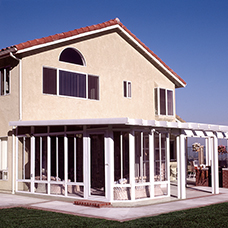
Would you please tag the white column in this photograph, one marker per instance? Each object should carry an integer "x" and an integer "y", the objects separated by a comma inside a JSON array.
[
  {"x": 151, "y": 159},
  {"x": 181, "y": 159},
  {"x": 32, "y": 167},
  {"x": 214, "y": 167},
  {"x": 48, "y": 162},
  {"x": 132, "y": 162},
  {"x": 13, "y": 162},
  {"x": 109, "y": 164},
  {"x": 86, "y": 163},
  {"x": 66, "y": 162}
]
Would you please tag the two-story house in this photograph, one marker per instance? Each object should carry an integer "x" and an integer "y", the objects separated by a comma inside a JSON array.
[{"x": 90, "y": 114}]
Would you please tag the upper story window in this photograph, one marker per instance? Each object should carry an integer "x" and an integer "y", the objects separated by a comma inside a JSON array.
[
  {"x": 71, "y": 55},
  {"x": 127, "y": 89},
  {"x": 164, "y": 102},
  {"x": 67, "y": 83},
  {"x": 4, "y": 81}
]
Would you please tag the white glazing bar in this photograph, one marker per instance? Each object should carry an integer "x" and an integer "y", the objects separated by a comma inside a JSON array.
[
  {"x": 23, "y": 163},
  {"x": 141, "y": 156},
  {"x": 41, "y": 160},
  {"x": 151, "y": 162},
  {"x": 109, "y": 164},
  {"x": 168, "y": 160},
  {"x": 75, "y": 158},
  {"x": 178, "y": 167},
  {"x": 160, "y": 158},
  {"x": 86, "y": 163},
  {"x": 66, "y": 162},
  {"x": 49, "y": 162},
  {"x": 215, "y": 172},
  {"x": 121, "y": 155},
  {"x": 57, "y": 158},
  {"x": 17, "y": 141},
  {"x": 132, "y": 163},
  {"x": 182, "y": 167},
  {"x": 32, "y": 151}
]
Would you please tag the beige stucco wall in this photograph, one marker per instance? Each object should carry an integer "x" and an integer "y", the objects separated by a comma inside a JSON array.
[
  {"x": 112, "y": 59},
  {"x": 9, "y": 111}
]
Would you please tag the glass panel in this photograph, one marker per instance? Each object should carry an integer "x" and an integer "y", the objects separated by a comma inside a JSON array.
[
  {"x": 75, "y": 190},
  {"x": 129, "y": 89},
  {"x": 126, "y": 156},
  {"x": 125, "y": 88},
  {"x": 75, "y": 158},
  {"x": 156, "y": 159},
  {"x": 57, "y": 189},
  {"x": 138, "y": 157},
  {"x": 160, "y": 189},
  {"x": 70, "y": 55},
  {"x": 117, "y": 157},
  {"x": 24, "y": 186},
  {"x": 7, "y": 85},
  {"x": 93, "y": 87},
  {"x": 2, "y": 81},
  {"x": 146, "y": 163},
  {"x": 170, "y": 102},
  {"x": 40, "y": 158},
  {"x": 27, "y": 159},
  {"x": 97, "y": 165},
  {"x": 72, "y": 84},
  {"x": 41, "y": 188},
  {"x": 122, "y": 193},
  {"x": 3, "y": 153},
  {"x": 142, "y": 192},
  {"x": 49, "y": 81},
  {"x": 162, "y": 102},
  {"x": 57, "y": 158},
  {"x": 156, "y": 100}
]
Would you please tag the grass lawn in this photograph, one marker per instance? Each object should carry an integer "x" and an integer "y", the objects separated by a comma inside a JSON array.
[{"x": 210, "y": 216}]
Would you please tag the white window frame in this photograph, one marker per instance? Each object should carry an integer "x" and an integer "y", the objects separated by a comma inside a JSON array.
[
  {"x": 128, "y": 89},
  {"x": 166, "y": 99},
  {"x": 4, "y": 159},
  {"x": 5, "y": 70},
  {"x": 87, "y": 82}
]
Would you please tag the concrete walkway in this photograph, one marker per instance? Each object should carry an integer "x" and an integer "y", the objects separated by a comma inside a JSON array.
[{"x": 111, "y": 213}]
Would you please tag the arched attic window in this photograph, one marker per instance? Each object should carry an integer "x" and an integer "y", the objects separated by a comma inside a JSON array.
[{"x": 71, "y": 55}]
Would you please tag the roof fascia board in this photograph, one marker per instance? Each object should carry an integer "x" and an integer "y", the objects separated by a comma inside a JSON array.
[{"x": 68, "y": 38}]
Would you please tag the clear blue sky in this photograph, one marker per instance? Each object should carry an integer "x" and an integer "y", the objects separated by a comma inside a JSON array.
[{"x": 190, "y": 36}]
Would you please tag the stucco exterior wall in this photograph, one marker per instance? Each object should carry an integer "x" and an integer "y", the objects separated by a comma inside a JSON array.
[{"x": 112, "y": 59}]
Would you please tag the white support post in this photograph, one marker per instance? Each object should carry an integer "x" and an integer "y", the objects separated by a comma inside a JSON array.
[
  {"x": 151, "y": 160},
  {"x": 17, "y": 141},
  {"x": 13, "y": 162},
  {"x": 32, "y": 168},
  {"x": 109, "y": 164},
  {"x": 66, "y": 161},
  {"x": 168, "y": 160},
  {"x": 49, "y": 162},
  {"x": 181, "y": 159},
  {"x": 86, "y": 163},
  {"x": 214, "y": 167},
  {"x": 132, "y": 163}
]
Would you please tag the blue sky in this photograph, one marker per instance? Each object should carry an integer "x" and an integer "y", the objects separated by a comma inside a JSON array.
[{"x": 190, "y": 36}]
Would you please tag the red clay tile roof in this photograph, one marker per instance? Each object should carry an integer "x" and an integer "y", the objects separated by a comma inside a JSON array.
[{"x": 63, "y": 35}]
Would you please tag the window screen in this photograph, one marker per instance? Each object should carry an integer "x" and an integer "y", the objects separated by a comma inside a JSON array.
[
  {"x": 72, "y": 84},
  {"x": 93, "y": 87},
  {"x": 49, "y": 81}
]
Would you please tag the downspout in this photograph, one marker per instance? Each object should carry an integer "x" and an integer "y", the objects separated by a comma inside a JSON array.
[{"x": 20, "y": 117}]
